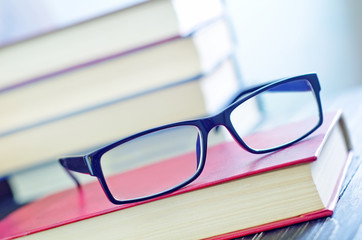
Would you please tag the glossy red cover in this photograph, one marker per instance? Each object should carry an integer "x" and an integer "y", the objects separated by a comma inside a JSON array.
[{"x": 224, "y": 162}]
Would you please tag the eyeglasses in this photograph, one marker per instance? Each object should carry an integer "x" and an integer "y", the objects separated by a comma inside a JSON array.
[{"x": 161, "y": 160}]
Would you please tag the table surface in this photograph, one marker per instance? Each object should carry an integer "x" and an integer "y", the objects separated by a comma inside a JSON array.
[{"x": 346, "y": 221}]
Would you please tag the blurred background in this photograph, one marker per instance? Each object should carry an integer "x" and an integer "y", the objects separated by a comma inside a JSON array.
[
  {"x": 276, "y": 38},
  {"x": 280, "y": 38}
]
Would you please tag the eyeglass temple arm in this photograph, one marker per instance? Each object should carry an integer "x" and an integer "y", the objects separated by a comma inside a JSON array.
[{"x": 76, "y": 164}]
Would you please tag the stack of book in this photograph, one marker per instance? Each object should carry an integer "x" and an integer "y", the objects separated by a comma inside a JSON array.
[
  {"x": 238, "y": 193},
  {"x": 87, "y": 84}
]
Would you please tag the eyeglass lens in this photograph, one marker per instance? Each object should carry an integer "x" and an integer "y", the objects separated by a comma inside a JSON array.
[
  {"x": 152, "y": 163},
  {"x": 289, "y": 111}
]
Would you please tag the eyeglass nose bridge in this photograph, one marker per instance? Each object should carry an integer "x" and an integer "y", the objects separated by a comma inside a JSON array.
[{"x": 214, "y": 122}]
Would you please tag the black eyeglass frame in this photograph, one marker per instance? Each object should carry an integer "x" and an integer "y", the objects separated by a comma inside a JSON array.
[{"x": 91, "y": 163}]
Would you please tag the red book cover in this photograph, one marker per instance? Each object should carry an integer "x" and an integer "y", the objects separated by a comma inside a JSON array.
[{"x": 225, "y": 162}]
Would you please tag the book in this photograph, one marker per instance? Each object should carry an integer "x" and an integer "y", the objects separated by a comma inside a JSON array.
[
  {"x": 237, "y": 194},
  {"x": 118, "y": 76},
  {"x": 97, "y": 125},
  {"x": 131, "y": 25}
]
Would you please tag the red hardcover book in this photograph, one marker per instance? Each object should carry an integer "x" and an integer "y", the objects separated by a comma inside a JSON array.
[{"x": 238, "y": 193}]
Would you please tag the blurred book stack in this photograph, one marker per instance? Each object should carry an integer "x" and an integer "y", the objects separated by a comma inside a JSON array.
[{"x": 82, "y": 85}]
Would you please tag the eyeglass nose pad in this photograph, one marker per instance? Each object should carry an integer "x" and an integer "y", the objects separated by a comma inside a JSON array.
[{"x": 217, "y": 128}]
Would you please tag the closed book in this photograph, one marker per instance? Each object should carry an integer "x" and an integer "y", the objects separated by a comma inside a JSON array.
[
  {"x": 114, "y": 77},
  {"x": 131, "y": 25},
  {"x": 238, "y": 193},
  {"x": 107, "y": 122}
]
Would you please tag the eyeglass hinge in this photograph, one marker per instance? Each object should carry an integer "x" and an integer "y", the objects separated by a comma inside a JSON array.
[{"x": 88, "y": 161}]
